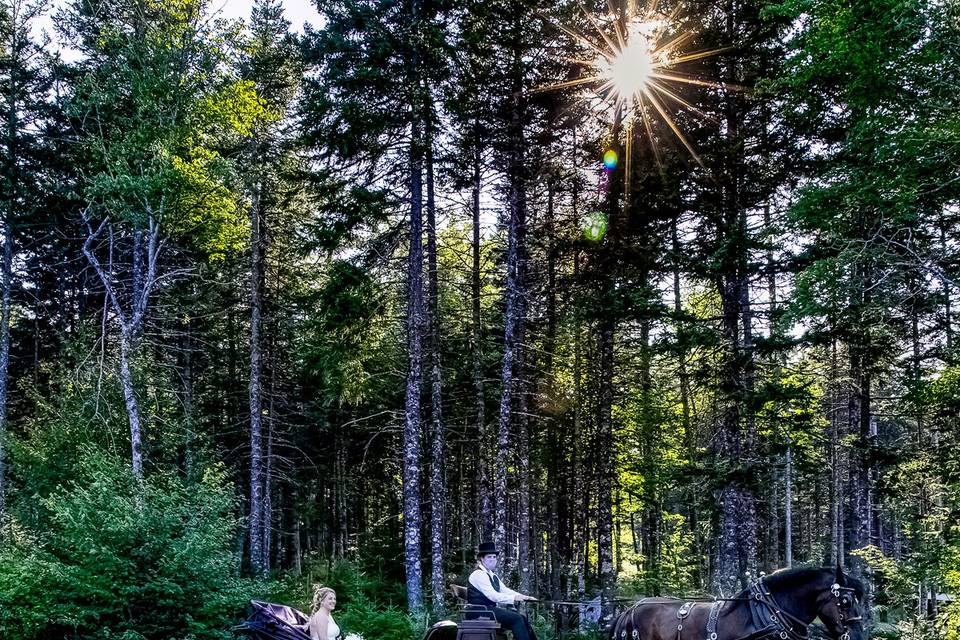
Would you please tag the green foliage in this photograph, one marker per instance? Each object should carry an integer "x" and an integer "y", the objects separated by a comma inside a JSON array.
[
  {"x": 673, "y": 570},
  {"x": 344, "y": 335},
  {"x": 368, "y": 603},
  {"x": 155, "y": 104},
  {"x": 374, "y": 621},
  {"x": 350, "y": 581},
  {"x": 122, "y": 560},
  {"x": 81, "y": 408}
]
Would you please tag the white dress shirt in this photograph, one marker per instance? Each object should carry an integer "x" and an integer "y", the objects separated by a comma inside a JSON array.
[{"x": 483, "y": 581}]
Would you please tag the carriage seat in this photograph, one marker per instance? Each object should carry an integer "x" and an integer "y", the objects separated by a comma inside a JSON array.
[
  {"x": 459, "y": 594},
  {"x": 481, "y": 624}
]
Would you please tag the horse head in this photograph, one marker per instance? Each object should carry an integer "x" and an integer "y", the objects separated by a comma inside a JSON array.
[
  {"x": 828, "y": 594},
  {"x": 840, "y": 606}
]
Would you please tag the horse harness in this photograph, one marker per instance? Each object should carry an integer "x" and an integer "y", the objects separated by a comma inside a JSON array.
[
  {"x": 682, "y": 614},
  {"x": 771, "y": 621},
  {"x": 712, "y": 618},
  {"x": 768, "y": 618}
]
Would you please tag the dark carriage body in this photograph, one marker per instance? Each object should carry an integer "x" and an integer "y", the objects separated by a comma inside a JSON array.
[
  {"x": 485, "y": 628},
  {"x": 268, "y": 621}
]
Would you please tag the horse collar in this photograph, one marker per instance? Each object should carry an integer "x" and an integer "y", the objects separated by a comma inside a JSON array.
[
  {"x": 782, "y": 624},
  {"x": 780, "y": 621}
]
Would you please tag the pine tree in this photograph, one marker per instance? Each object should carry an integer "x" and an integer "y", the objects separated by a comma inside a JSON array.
[
  {"x": 273, "y": 67},
  {"x": 25, "y": 80}
]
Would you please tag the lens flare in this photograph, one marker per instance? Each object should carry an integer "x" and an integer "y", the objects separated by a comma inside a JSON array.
[
  {"x": 637, "y": 62},
  {"x": 610, "y": 160},
  {"x": 594, "y": 226}
]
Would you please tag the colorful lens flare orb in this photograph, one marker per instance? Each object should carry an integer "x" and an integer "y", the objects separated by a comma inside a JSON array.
[
  {"x": 594, "y": 226},
  {"x": 610, "y": 160}
]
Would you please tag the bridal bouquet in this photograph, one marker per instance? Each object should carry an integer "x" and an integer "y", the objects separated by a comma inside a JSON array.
[{"x": 353, "y": 636}]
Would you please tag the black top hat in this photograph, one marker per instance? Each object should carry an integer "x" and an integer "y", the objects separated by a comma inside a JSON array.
[{"x": 486, "y": 548}]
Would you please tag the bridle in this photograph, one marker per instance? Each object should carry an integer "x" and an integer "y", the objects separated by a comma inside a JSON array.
[
  {"x": 846, "y": 598},
  {"x": 786, "y": 626},
  {"x": 768, "y": 619}
]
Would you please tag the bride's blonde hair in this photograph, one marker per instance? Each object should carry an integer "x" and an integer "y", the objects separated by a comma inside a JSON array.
[{"x": 319, "y": 593}]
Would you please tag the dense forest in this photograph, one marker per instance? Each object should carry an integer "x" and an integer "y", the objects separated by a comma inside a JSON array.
[{"x": 281, "y": 308}]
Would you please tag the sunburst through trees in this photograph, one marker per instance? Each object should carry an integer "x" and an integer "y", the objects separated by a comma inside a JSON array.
[{"x": 635, "y": 60}]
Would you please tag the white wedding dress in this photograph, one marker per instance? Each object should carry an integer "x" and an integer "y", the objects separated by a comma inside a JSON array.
[{"x": 333, "y": 631}]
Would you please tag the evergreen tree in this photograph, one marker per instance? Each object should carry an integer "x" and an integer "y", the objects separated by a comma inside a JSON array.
[
  {"x": 150, "y": 176},
  {"x": 25, "y": 80},
  {"x": 273, "y": 68}
]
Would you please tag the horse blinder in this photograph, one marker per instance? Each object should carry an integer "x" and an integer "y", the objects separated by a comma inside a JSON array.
[{"x": 846, "y": 599}]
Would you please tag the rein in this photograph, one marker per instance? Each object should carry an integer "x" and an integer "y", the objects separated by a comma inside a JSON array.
[
  {"x": 767, "y": 617},
  {"x": 784, "y": 624}
]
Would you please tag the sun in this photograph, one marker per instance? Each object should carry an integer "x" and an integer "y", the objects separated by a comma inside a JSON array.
[
  {"x": 637, "y": 67},
  {"x": 629, "y": 63},
  {"x": 630, "y": 69}
]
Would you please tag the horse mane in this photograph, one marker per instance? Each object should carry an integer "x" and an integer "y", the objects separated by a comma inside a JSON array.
[{"x": 786, "y": 579}]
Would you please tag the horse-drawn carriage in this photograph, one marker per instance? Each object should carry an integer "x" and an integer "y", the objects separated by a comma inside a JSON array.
[
  {"x": 269, "y": 621},
  {"x": 779, "y": 607}
]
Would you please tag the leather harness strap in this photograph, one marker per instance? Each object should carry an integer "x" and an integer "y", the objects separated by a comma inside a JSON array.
[
  {"x": 767, "y": 617},
  {"x": 712, "y": 620},
  {"x": 682, "y": 613}
]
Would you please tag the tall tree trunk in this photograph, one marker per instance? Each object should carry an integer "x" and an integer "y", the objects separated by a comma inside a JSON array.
[
  {"x": 476, "y": 336},
  {"x": 788, "y": 507},
  {"x": 12, "y": 177},
  {"x": 514, "y": 295},
  {"x": 860, "y": 423},
  {"x": 412, "y": 430},
  {"x": 255, "y": 391},
  {"x": 467, "y": 524},
  {"x": 555, "y": 440},
  {"x": 578, "y": 488},
  {"x": 7, "y": 283},
  {"x": 504, "y": 449},
  {"x": 297, "y": 542},
  {"x": 604, "y": 449},
  {"x": 916, "y": 359},
  {"x": 737, "y": 543},
  {"x": 605, "y": 453},
  {"x": 437, "y": 484},
  {"x": 947, "y": 311},
  {"x": 130, "y": 401},
  {"x": 268, "y": 469},
  {"x": 185, "y": 354},
  {"x": 131, "y": 318},
  {"x": 685, "y": 412},
  {"x": 523, "y": 368},
  {"x": 412, "y": 455},
  {"x": 523, "y": 437},
  {"x": 523, "y": 506}
]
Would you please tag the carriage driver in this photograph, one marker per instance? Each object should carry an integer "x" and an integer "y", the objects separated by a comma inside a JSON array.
[{"x": 486, "y": 589}]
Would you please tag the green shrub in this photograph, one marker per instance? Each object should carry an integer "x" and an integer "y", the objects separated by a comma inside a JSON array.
[
  {"x": 122, "y": 560},
  {"x": 373, "y": 621},
  {"x": 365, "y": 599}
]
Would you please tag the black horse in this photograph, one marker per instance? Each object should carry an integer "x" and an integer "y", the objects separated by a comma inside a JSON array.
[{"x": 779, "y": 606}]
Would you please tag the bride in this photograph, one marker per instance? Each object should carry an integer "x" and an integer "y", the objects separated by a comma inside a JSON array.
[{"x": 321, "y": 625}]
